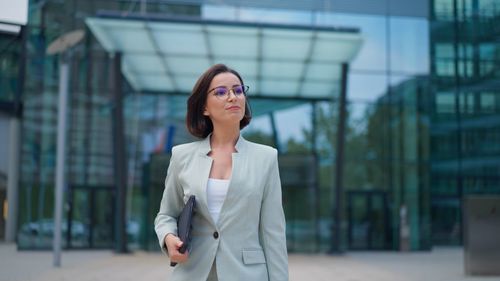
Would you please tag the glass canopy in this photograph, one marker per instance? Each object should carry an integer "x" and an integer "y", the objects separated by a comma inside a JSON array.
[{"x": 281, "y": 62}]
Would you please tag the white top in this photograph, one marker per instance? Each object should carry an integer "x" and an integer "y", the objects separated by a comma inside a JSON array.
[{"x": 216, "y": 193}]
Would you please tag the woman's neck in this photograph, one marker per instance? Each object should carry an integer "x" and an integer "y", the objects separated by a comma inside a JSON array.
[{"x": 224, "y": 138}]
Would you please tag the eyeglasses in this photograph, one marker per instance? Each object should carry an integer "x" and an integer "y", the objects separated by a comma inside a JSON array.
[{"x": 223, "y": 92}]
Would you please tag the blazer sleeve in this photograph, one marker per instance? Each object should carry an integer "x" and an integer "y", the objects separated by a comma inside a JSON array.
[
  {"x": 171, "y": 203},
  {"x": 272, "y": 225}
]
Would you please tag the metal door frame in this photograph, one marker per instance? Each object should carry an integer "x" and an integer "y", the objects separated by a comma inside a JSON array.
[
  {"x": 369, "y": 195},
  {"x": 92, "y": 190}
]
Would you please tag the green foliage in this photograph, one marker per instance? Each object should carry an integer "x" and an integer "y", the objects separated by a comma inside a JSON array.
[
  {"x": 260, "y": 137},
  {"x": 295, "y": 147}
]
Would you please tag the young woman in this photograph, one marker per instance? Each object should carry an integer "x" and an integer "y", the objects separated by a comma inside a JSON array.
[{"x": 239, "y": 226}]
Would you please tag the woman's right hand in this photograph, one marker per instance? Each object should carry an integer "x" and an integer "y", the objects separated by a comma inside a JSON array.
[{"x": 173, "y": 244}]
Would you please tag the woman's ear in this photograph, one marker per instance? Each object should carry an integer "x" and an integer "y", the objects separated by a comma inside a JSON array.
[{"x": 205, "y": 112}]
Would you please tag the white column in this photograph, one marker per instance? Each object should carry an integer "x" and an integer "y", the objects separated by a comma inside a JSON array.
[
  {"x": 60, "y": 158},
  {"x": 13, "y": 180}
]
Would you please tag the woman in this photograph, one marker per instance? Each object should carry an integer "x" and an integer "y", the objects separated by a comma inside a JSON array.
[{"x": 239, "y": 226}]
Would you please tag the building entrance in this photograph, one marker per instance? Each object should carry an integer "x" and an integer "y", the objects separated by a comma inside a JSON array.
[
  {"x": 91, "y": 218},
  {"x": 368, "y": 217}
]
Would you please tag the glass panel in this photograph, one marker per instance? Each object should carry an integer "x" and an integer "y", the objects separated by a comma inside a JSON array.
[
  {"x": 297, "y": 172},
  {"x": 446, "y": 221},
  {"x": 253, "y": 84},
  {"x": 279, "y": 70},
  {"x": 81, "y": 218},
  {"x": 91, "y": 226},
  {"x": 368, "y": 220},
  {"x": 232, "y": 42},
  {"x": 260, "y": 127},
  {"x": 277, "y": 15},
  {"x": 292, "y": 133},
  {"x": 156, "y": 169},
  {"x": 445, "y": 102},
  {"x": 102, "y": 220},
  {"x": 180, "y": 41},
  {"x": 279, "y": 87},
  {"x": 283, "y": 44},
  {"x": 336, "y": 47},
  {"x": 359, "y": 222},
  {"x": 149, "y": 63},
  {"x": 101, "y": 33},
  {"x": 185, "y": 82},
  {"x": 318, "y": 89},
  {"x": 378, "y": 227},
  {"x": 487, "y": 102},
  {"x": 444, "y": 59},
  {"x": 131, "y": 76},
  {"x": 488, "y": 57},
  {"x": 246, "y": 68},
  {"x": 409, "y": 45},
  {"x": 373, "y": 53},
  {"x": 36, "y": 218},
  {"x": 9, "y": 67},
  {"x": 323, "y": 71},
  {"x": 217, "y": 12},
  {"x": 192, "y": 66},
  {"x": 366, "y": 87},
  {"x": 261, "y": 107},
  {"x": 136, "y": 223},
  {"x": 130, "y": 40},
  {"x": 155, "y": 82}
]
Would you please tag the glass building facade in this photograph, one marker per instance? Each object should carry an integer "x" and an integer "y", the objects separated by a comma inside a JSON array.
[
  {"x": 421, "y": 129},
  {"x": 464, "y": 132}
]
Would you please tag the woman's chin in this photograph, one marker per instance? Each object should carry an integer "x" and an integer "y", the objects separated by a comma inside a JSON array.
[
  {"x": 231, "y": 120},
  {"x": 235, "y": 116}
]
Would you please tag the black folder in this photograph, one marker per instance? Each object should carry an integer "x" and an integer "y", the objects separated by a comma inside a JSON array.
[{"x": 184, "y": 225}]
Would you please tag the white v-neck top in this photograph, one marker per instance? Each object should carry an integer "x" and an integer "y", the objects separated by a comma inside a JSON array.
[{"x": 216, "y": 193}]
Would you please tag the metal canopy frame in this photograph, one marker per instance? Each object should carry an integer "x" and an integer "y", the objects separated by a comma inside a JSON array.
[{"x": 165, "y": 55}]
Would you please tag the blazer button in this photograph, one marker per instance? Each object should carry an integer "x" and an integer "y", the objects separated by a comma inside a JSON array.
[{"x": 216, "y": 235}]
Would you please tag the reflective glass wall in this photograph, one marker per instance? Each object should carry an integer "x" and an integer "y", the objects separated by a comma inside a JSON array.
[
  {"x": 10, "y": 54},
  {"x": 88, "y": 157},
  {"x": 386, "y": 166},
  {"x": 386, "y": 148},
  {"x": 90, "y": 192},
  {"x": 465, "y": 128},
  {"x": 421, "y": 130}
]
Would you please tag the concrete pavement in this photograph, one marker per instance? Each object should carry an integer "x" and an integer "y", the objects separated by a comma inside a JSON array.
[{"x": 441, "y": 264}]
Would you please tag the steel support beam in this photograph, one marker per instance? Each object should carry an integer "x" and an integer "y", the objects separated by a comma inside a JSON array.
[
  {"x": 119, "y": 156},
  {"x": 338, "y": 210}
]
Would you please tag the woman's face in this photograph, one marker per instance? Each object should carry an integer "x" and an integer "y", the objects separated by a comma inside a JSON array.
[{"x": 226, "y": 100}]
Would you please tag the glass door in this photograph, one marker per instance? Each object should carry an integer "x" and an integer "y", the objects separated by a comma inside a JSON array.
[
  {"x": 368, "y": 217},
  {"x": 91, "y": 223}
]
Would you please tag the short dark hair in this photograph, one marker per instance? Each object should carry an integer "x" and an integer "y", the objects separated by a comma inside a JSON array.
[{"x": 198, "y": 124}]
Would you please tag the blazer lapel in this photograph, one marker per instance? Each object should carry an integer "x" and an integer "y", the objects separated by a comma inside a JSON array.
[
  {"x": 204, "y": 166},
  {"x": 237, "y": 174}
]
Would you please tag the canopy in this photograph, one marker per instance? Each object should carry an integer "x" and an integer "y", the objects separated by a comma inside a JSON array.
[{"x": 163, "y": 54}]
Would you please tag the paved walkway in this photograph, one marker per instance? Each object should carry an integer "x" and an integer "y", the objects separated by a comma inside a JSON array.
[{"x": 442, "y": 264}]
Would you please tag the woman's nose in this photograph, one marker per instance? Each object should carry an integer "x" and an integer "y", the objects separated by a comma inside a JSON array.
[{"x": 231, "y": 95}]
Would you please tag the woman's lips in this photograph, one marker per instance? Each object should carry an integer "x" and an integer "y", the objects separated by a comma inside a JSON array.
[{"x": 234, "y": 107}]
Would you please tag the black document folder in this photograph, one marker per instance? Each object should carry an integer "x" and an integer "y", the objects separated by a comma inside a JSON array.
[{"x": 184, "y": 224}]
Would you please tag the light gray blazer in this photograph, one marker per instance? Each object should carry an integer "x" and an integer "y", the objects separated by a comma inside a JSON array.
[{"x": 250, "y": 243}]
